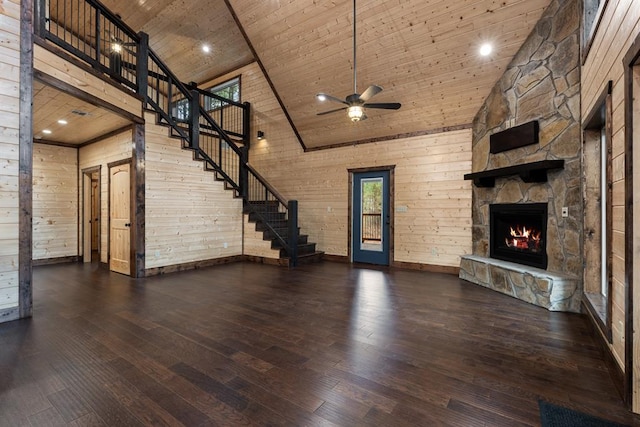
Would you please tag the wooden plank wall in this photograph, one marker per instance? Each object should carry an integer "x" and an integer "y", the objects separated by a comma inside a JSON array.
[
  {"x": 254, "y": 243},
  {"x": 55, "y": 201},
  {"x": 189, "y": 215},
  {"x": 55, "y": 66},
  {"x": 111, "y": 149},
  {"x": 619, "y": 27},
  {"x": 435, "y": 229},
  {"x": 9, "y": 102}
]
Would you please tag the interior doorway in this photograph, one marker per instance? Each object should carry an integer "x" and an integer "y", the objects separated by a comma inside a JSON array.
[
  {"x": 91, "y": 235},
  {"x": 371, "y": 215}
]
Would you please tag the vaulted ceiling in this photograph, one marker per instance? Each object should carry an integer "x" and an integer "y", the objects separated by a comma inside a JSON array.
[{"x": 424, "y": 53}]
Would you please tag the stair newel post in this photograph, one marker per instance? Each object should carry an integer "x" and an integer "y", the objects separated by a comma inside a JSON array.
[
  {"x": 40, "y": 21},
  {"x": 246, "y": 125},
  {"x": 292, "y": 235},
  {"x": 244, "y": 172},
  {"x": 246, "y": 143},
  {"x": 142, "y": 66},
  {"x": 194, "y": 122}
]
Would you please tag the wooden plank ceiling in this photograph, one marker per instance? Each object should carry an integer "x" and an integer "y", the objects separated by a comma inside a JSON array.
[
  {"x": 424, "y": 53},
  {"x": 84, "y": 122},
  {"x": 179, "y": 28}
]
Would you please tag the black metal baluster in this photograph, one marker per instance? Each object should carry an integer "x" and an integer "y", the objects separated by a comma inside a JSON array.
[{"x": 98, "y": 36}]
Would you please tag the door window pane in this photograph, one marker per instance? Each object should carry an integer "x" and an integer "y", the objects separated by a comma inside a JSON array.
[{"x": 371, "y": 208}]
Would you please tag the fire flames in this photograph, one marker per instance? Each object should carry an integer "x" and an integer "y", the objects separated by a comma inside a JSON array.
[{"x": 524, "y": 238}]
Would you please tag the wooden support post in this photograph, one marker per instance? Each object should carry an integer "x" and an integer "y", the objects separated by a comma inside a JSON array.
[
  {"x": 292, "y": 235},
  {"x": 25, "y": 162},
  {"x": 142, "y": 66},
  {"x": 138, "y": 201}
]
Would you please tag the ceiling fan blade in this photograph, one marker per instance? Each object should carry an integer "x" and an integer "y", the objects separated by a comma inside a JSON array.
[
  {"x": 371, "y": 91},
  {"x": 384, "y": 105},
  {"x": 332, "y": 111},
  {"x": 332, "y": 98}
]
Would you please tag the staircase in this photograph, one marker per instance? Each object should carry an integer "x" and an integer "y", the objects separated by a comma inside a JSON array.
[
  {"x": 277, "y": 225},
  {"x": 219, "y": 138}
]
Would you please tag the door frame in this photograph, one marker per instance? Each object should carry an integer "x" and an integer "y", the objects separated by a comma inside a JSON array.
[
  {"x": 631, "y": 63},
  {"x": 87, "y": 210},
  {"x": 351, "y": 172},
  {"x": 132, "y": 204}
]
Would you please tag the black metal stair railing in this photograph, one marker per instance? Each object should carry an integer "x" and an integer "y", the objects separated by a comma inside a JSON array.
[
  {"x": 278, "y": 216},
  {"x": 217, "y": 129}
]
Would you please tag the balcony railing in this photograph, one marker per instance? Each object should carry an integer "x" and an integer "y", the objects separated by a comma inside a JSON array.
[
  {"x": 219, "y": 136},
  {"x": 371, "y": 227}
]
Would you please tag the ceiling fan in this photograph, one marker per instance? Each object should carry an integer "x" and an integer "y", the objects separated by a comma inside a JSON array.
[{"x": 356, "y": 103}]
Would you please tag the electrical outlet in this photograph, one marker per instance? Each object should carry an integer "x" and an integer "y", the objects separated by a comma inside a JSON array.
[
  {"x": 225, "y": 245},
  {"x": 402, "y": 208},
  {"x": 565, "y": 212}
]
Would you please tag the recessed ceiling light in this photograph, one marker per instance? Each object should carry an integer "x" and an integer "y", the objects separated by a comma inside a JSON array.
[
  {"x": 46, "y": 131},
  {"x": 62, "y": 122},
  {"x": 206, "y": 48},
  {"x": 486, "y": 49}
]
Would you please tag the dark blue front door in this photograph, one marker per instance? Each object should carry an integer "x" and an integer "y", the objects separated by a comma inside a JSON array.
[{"x": 370, "y": 218}]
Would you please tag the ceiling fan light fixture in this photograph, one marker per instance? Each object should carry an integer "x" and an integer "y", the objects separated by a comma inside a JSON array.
[
  {"x": 116, "y": 47},
  {"x": 356, "y": 103},
  {"x": 355, "y": 113}
]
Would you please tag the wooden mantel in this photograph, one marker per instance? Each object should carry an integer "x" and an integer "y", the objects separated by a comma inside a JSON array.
[{"x": 528, "y": 172}]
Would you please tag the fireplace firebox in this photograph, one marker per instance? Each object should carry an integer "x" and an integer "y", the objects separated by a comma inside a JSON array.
[{"x": 519, "y": 233}]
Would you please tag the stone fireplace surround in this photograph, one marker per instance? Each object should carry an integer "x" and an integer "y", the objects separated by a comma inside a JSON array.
[{"x": 541, "y": 83}]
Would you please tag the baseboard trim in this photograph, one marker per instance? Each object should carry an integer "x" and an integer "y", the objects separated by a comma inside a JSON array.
[
  {"x": 59, "y": 260},
  {"x": 616, "y": 372},
  {"x": 401, "y": 265},
  {"x": 192, "y": 265},
  {"x": 336, "y": 258},
  {"x": 9, "y": 314},
  {"x": 426, "y": 267},
  {"x": 285, "y": 263},
  {"x": 280, "y": 262}
]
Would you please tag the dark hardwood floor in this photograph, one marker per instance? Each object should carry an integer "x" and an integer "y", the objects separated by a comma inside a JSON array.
[{"x": 325, "y": 344}]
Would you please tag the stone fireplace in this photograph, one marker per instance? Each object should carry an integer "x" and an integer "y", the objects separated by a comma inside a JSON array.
[{"x": 541, "y": 84}]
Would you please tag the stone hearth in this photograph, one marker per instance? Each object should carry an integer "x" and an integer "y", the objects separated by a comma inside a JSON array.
[{"x": 553, "y": 291}]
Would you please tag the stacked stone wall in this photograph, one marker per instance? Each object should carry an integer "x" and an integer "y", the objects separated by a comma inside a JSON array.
[{"x": 541, "y": 83}]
